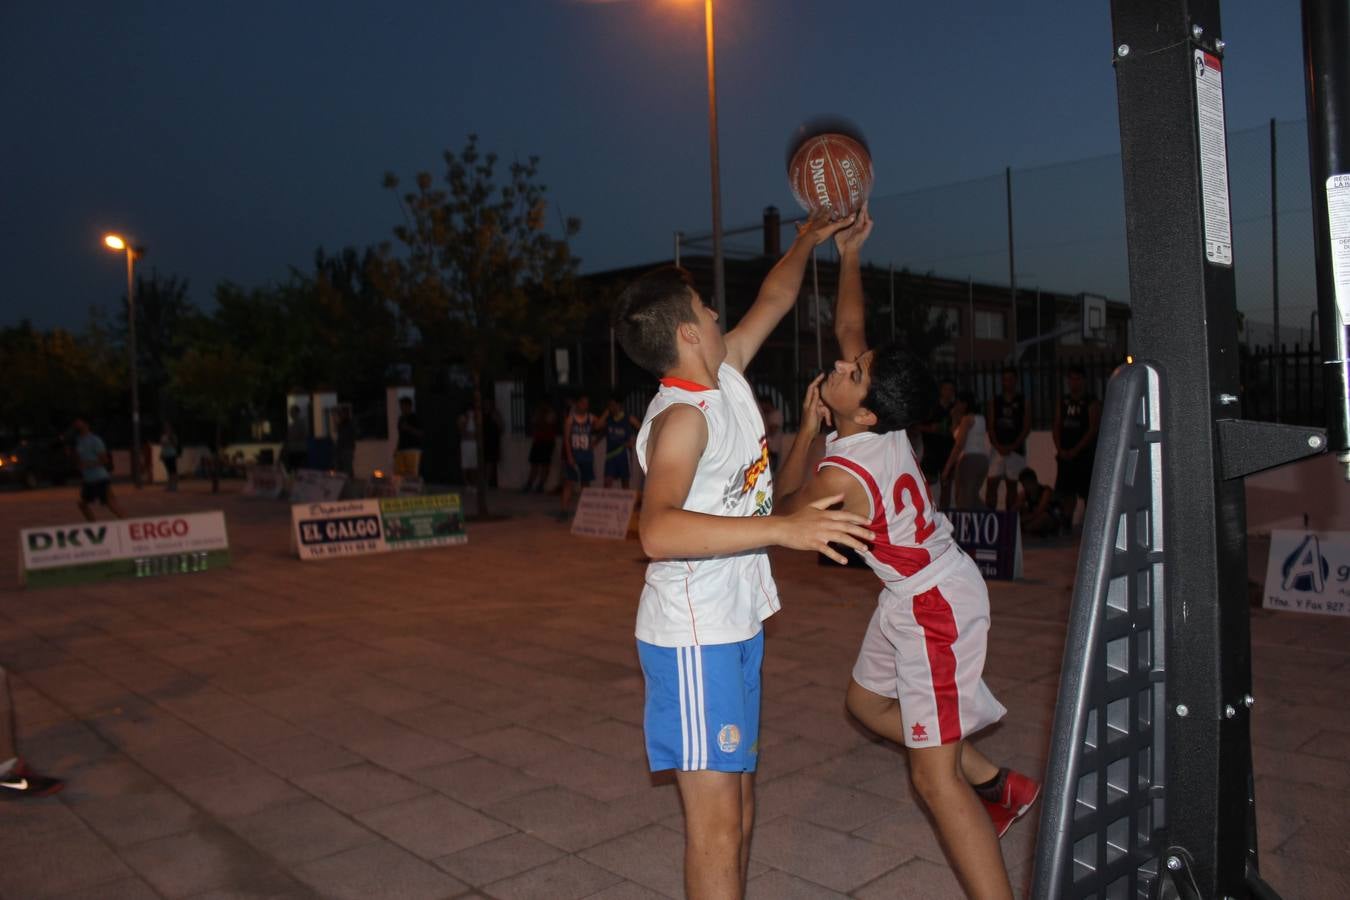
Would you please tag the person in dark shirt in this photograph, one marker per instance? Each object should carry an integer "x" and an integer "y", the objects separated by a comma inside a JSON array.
[
  {"x": 1039, "y": 511},
  {"x": 1075, "y": 433},
  {"x": 938, "y": 442},
  {"x": 408, "y": 452},
  {"x": 1009, "y": 423}
]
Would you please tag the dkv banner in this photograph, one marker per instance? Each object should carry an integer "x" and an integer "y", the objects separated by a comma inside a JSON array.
[
  {"x": 1309, "y": 572},
  {"x": 122, "y": 548}
]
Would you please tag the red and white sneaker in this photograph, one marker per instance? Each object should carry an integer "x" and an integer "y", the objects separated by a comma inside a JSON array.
[
  {"x": 1019, "y": 793},
  {"x": 22, "y": 782}
]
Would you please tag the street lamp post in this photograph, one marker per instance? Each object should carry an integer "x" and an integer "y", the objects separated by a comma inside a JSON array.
[
  {"x": 719, "y": 278},
  {"x": 117, "y": 242}
]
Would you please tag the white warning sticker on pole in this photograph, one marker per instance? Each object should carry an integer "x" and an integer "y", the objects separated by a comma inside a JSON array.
[
  {"x": 1213, "y": 159},
  {"x": 1338, "y": 217}
]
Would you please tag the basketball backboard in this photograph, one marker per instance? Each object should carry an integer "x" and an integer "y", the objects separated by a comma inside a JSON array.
[{"x": 1094, "y": 318}]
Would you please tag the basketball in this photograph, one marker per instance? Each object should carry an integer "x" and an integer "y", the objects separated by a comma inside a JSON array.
[{"x": 833, "y": 172}]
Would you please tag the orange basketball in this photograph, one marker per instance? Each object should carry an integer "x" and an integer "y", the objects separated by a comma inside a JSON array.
[{"x": 833, "y": 172}]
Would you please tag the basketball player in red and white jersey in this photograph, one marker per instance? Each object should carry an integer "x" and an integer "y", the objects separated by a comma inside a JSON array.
[
  {"x": 917, "y": 680},
  {"x": 705, "y": 522}
]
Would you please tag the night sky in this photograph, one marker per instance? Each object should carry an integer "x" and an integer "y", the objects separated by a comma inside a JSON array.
[{"x": 234, "y": 139}]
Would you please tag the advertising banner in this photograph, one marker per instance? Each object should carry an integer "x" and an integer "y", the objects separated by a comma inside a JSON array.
[
  {"x": 993, "y": 539},
  {"x": 376, "y": 525},
  {"x": 264, "y": 481},
  {"x": 1309, "y": 572},
  {"x": 316, "y": 486},
  {"x": 122, "y": 548},
  {"x": 604, "y": 513}
]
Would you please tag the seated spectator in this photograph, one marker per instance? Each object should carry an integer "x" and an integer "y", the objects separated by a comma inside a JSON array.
[{"x": 1039, "y": 511}]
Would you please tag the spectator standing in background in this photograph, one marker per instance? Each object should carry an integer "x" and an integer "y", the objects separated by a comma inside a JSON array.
[
  {"x": 1075, "y": 433},
  {"x": 1009, "y": 424},
  {"x": 168, "y": 454},
  {"x": 543, "y": 439},
  {"x": 969, "y": 459},
  {"x": 408, "y": 451}
]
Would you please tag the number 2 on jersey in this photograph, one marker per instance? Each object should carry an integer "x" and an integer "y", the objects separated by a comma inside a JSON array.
[{"x": 906, "y": 484}]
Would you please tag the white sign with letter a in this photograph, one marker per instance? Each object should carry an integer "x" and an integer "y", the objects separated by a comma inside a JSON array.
[
  {"x": 1309, "y": 572},
  {"x": 604, "y": 513}
]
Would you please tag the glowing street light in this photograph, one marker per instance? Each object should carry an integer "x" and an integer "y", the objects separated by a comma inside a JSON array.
[{"x": 120, "y": 244}]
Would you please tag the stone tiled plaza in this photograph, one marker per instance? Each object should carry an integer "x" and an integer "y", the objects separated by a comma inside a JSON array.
[{"x": 466, "y": 722}]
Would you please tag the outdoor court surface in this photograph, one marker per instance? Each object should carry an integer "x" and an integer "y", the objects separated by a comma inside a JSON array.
[{"x": 466, "y": 722}]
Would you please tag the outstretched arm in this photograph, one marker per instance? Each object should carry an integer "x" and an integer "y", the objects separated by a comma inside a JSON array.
[
  {"x": 792, "y": 473},
  {"x": 778, "y": 293},
  {"x": 849, "y": 315},
  {"x": 669, "y": 531}
]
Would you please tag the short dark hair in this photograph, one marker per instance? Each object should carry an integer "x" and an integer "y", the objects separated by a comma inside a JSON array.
[
  {"x": 1010, "y": 370},
  {"x": 1028, "y": 474},
  {"x": 1076, "y": 370},
  {"x": 647, "y": 314},
  {"x": 901, "y": 390},
  {"x": 616, "y": 396}
]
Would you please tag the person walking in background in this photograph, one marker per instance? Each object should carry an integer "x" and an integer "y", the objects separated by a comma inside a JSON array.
[
  {"x": 345, "y": 443},
  {"x": 492, "y": 441},
  {"x": 147, "y": 462},
  {"x": 543, "y": 438},
  {"x": 1009, "y": 424},
  {"x": 297, "y": 440},
  {"x": 467, "y": 424},
  {"x": 17, "y": 781},
  {"x": 1075, "y": 433},
  {"x": 169, "y": 452},
  {"x": 91, "y": 454},
  {"x": 408, "y": 450},
  {"x": 969, "y": 459},
  {"x": 620, "y": 430}
]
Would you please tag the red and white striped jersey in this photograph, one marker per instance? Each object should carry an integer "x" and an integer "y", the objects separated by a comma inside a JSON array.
[{"x": 909, "y": 533}]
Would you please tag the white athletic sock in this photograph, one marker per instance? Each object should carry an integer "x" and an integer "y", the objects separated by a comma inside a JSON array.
[{"x": 8, "y": 765}]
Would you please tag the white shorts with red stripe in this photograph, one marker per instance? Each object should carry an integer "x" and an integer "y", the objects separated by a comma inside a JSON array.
[{"x": 927, "y": 651}]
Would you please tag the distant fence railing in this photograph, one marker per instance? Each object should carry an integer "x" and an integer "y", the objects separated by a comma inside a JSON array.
[{"x": 1297, "y": 371}]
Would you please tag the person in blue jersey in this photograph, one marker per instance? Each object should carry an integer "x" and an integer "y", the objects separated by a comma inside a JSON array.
[
  {"x": 620, "y": 430},
  {"x": 579, "y": 432}
]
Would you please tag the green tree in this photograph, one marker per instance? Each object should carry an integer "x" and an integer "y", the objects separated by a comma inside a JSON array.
[
  {"x": 218, "y": 384},
  {"x": 475, "y": 272},
  {"x": 166, "y": 320},
  {"x": 50, "y": 377}
]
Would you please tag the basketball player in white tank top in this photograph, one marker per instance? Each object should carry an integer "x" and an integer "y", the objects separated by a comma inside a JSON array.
[
  {"x": 917, "y": 680},
  {"x": 704, "y": 523}
]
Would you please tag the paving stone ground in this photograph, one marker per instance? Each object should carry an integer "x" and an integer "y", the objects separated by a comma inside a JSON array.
[{"x": 466, "y": 722}]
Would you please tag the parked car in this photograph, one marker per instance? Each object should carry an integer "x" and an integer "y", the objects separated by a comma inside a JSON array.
[{"x": 33, "y": 462}]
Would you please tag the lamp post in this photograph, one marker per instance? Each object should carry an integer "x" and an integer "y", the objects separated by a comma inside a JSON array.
[
  {"x": 719, "y": 278},
  {"x": 119, "y": 243}
]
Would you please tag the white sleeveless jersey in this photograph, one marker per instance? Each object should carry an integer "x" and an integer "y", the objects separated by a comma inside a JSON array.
[
  {"x": 977, "y": 438},
  {"x": 912, "y": 544},
  {"x": 716, "y": 599}
]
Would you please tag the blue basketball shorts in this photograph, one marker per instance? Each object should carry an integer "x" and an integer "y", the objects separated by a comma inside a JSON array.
[
  {"x": 616, "y": 466},
  {"x": 583, "y": 473},
  {"x": 703, "y": 705}
]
